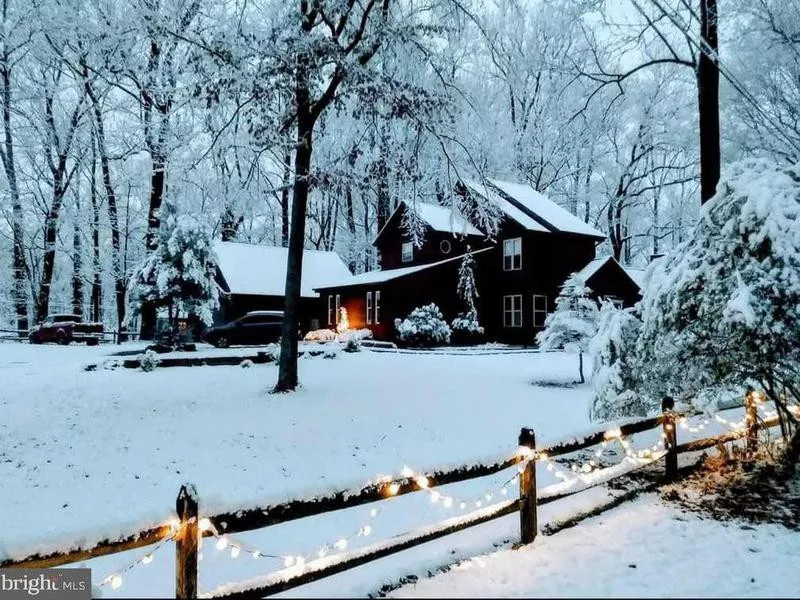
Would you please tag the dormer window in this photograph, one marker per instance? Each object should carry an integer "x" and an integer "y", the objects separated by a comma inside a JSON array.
[
  {"x": 512, "y": 254},
  {"x": 407, "y": 252}
]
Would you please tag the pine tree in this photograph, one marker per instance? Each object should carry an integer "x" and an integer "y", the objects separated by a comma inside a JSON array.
[
  {"x": 465, "y": 326},
  {"x": 573, "y": 323},
  {"x": 180, "y": 274}
]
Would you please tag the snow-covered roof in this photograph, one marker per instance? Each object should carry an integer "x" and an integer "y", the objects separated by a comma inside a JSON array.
[
  {"x": 259, "y": 270},
  {"x": 637, "y": 275},
  {"x": 438, "y": 218},
  {"x": 532, "y": 209},
  {"x": 441, "y": 218},
  {"x": 593, "y": 266},
  {"x": 371, "y": 277}
]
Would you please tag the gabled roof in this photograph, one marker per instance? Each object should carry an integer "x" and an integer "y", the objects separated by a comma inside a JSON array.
[
  {"x": 637, "y": 275},
  {"x": 593, "y": 266},
  {"x": 531, "y": 209},
  {"x": 438, "y": 218},
  {"x": 382, "y": 276},
  {"x": 253, "y": 269}
]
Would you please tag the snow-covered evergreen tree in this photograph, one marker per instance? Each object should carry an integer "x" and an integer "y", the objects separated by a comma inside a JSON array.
[
  {"x": 724, "y": 307},
  {"x": 613, "y": 353},
  {"x": 465, "y": 327},
  {"x": 179, "y": 275},
  {"x": 573, "y": 323}
]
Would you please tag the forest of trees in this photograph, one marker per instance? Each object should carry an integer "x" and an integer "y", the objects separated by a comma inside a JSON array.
[{"x": 112, "y": 109}]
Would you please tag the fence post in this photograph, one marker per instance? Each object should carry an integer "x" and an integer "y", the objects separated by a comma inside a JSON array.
[
  {"x": 527, "y": 490},
  {"x": 751, "y": 421},
  {"x": 670, "y": 437},
  {"x": 186, "y": 543}
]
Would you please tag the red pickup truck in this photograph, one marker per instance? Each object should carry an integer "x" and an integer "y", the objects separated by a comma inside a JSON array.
[{"x": 64, "y": 329}]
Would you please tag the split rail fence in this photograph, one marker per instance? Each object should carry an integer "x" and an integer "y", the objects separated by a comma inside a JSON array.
[{"x": 186, "y": 529}]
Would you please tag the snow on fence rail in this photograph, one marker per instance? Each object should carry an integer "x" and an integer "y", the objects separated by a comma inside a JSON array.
[{"x": 188, "y": 526}]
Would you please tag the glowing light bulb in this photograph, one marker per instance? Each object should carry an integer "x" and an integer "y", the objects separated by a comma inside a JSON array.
[
  {"x": 256, "y": 554},
  {"x": 422, "y": 481},
  {"x": 462, "y": 505},
  {"x": 222, "y": 543},
  {"x": 341, "y": 544},
  {"x": 288, "y": 561},
  {"x": 503, "y": 491},
  {"x": 407, "y": 472},
  {"x": 366, "y": 529},
  {"x": 204, "y": 524},
  {"x": 116, "y": 582},
  {"x": 234, "y": 551},
  {"x": 147, "y": 559},
  {"x": 447, "y": 502},
  {"x": 435, "y": 497},
  {"x": 393, "y": 489},
  {"x": 373, "y": 512},
  {"x": 478, "y": 503}
]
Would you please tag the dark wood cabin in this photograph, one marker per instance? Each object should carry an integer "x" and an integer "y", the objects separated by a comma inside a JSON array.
[
  {"x": 519, "y": 269},
  {"x": 253, "y": 277}
]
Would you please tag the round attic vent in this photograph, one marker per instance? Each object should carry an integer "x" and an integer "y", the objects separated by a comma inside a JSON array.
[{"x": 445, "y": 247}]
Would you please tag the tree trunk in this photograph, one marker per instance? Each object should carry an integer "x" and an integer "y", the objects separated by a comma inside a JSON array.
[
  {"x": 157, "y": 177},
  {"x": 287, "y": 175},
  {"x": 49, "y": 256},
  {"x": 18, "y": 266},
  {"x": 580, "y": 366},
  {"x": 111, "y": 203},
  {"x": 287, "y": 374},
  {"x": 708, "y": 101},
  {"x": 97, "y": 285},
  {"x": 77, "y": 262}
]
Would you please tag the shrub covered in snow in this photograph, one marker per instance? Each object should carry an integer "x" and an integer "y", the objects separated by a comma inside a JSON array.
[
  {"x": 724, "y": 306},
  {"x": 424, "y": 327},
  {"x": 465, "y": 329},
  {"x": 352, "y": 345},
  {"x": 149, "y": 360},
  {"x": 355, "y": 334},
  {"x": 573, "y": 323},
  {"x": 246, "y": 363},
  {"x": 613, "y": 352},
  {"x": 274, "y": 351},
  {"x": 320, "y": 335},
  {"x": 331, "y": 353}
]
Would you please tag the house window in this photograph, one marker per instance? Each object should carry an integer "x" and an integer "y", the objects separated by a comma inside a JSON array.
[
  {"x": 331, "y": 313},
  {"x": 512, "y": 254},
  {"x": 377, "y": 307},
  {"x": 539, "y": 310},
  {"x": 338, "y": 306},
  {"x": 512, "y": 311},
  {"x": 369, "y": 308},
  {"x": 407, "y": 252}
]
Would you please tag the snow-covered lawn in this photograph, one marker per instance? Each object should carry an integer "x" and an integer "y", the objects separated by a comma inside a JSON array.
[
  {"x": 94, "y": 453},
  {"x": 643, "y": 549}
]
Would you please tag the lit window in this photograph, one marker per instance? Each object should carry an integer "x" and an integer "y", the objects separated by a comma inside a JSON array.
[
  {"x": 512, "y": 254},
  {"x": 338, "y": 306},
  {"x": 369, "y": 308},
  {"x": 407, "y": 252},
  {"x": 331, "y": 314},
  {"x": 377, "y": 307},
  {"x": 539, "y": 310},
  {"x": 512, "y": 311}
]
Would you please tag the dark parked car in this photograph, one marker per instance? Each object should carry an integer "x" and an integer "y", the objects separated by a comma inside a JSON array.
[
  {"x": 255, "y": 328},
  {"x": 64, "y": 329}
]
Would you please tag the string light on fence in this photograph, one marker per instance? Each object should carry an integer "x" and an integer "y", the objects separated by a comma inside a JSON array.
[{"x": 115, "y": 579}]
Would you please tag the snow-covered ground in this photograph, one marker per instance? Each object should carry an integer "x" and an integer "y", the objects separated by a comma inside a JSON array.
[
  {"x": 643, "y": 549},
  {"x": 88, "y": 455}
]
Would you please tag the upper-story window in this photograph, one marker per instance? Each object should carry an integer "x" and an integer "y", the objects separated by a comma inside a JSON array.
[
  {"x": 512, "y": 254},
  {"x": 407, "y": 253}
]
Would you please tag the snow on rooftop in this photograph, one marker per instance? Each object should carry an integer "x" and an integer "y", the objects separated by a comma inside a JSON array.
[
  {"x": 261, "y": 270},
  {"x": 509, "y": 209},
  {"x": 637, "y": 275},
  {"x": 444, "y": 219},
  {"x": 546, "y": 209},
  {"x": 592, "y": 267},
  {"x": 389, "y": 274}
]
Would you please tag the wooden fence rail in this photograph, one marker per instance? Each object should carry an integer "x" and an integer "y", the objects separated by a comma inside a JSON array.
[{"x": 186, "y": 531}]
